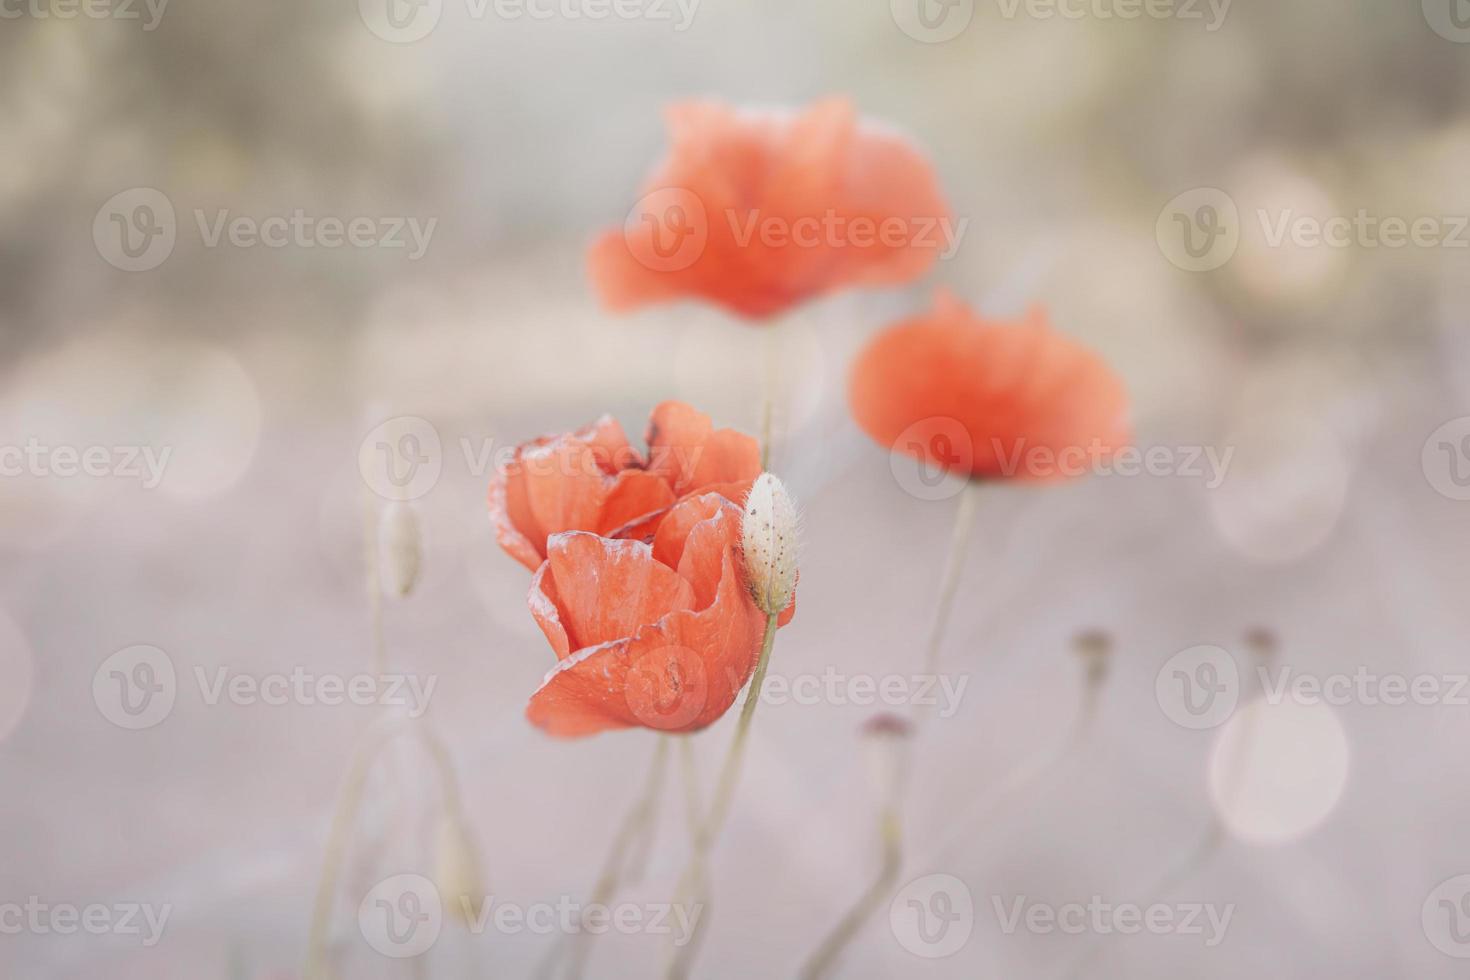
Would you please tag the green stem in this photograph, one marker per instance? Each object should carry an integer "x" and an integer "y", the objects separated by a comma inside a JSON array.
[
  {"x": 769, "y": 385},
  {"x": 639, "y": 820},
  {"x": 693, "y": 881},
  {"x": 349, "y": 799},
  {"x": 959, "y": 540},
  {"x": 891, "y": 859}
]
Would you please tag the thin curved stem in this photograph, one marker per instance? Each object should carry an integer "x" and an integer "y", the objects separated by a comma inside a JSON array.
[
  {"x": 694, "y": 879},
  {"x": 637, "y": 824},
  {"x": 1025, "y": 776},
  {"x": 769, "y": 384},
  {"x": 350, "y": 796},
  {"x": 959, "y": 540},
  {"x": 1195, "y": 858},
  {"x": 891, "y": 860},
  {"x": 349, "y": 800}
]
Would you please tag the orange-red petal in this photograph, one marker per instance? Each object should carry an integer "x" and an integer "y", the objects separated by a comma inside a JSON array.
[
  {"x": 1008, "y": 390},
  {"x": 819, "y": 179},
  {"x": 680, "y": 672},
  {"x": 604, "y": 589}
]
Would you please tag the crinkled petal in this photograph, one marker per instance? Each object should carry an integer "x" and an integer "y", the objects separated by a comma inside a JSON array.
[{"x": 604, "y": 589}]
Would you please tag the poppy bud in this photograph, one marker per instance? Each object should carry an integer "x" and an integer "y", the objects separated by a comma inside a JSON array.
[
  {"x": 768, "y": 538},
  {"x": 399, "y": 542},
  {"x": 457, "y": 872},
  {"x": 886, "y": 738}
]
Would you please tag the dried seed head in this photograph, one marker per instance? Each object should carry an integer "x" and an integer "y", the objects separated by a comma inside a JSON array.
[
  {"x": 1262, "y": 642},
  {"x": 768, "y": 538},
  {"x": 886, "y": 740},
  {"x": 1095, "y": 647},
  {"x": 457, "y": 871},
  {"x": 399, "y": 543}
]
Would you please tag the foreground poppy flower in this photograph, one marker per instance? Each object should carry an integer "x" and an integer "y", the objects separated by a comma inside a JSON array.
[
  {"x": 987, "y": 399},
  {"x": 594, "y": 480},
  {"x": 660, "y": 635},
  {"x": 759, "y": 211}
]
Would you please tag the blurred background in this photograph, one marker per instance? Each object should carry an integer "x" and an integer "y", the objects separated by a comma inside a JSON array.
[{"x": 1152, "y": 174}]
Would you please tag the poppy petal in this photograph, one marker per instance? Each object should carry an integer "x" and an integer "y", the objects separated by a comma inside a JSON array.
[
  {"x": 685, "y": 448},
  {"x": 604, "y": 589}
]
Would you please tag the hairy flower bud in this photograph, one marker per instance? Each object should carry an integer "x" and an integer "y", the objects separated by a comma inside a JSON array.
[
  {"x": 402, "y": 552},
  {"x": 768, "y": 539}
]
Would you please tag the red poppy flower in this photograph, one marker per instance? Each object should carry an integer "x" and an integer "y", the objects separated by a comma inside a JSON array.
[
  {"x": 660, "y": 635},
  {"x": 988, "y": 399},
  {"x": 594, "y": 480},
  {"x": 759, "y": 211}
]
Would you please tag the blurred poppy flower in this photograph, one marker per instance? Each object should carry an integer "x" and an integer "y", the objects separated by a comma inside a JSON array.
[
  {"x": 760, "y": 211},
  {"x": 594, "y": 480},
  {"x": 989, "y": 399},
  {"x": 658, "y": 635}
]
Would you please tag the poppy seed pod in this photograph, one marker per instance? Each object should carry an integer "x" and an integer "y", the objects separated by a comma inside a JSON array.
[
  {"x": 768, "y": 540},
  {"x": 401, "y": 547},
  {"x": 1095, "y": 647}
]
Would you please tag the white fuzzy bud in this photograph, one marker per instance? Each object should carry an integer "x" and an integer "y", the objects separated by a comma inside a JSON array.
[
  {"x": 768, "y": 539},
  {"x": 457, "y": 872},
  {"x": 400, "y": 544}
]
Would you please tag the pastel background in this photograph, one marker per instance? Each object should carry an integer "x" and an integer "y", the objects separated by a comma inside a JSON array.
[{"x": 1327, "y": 372}]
